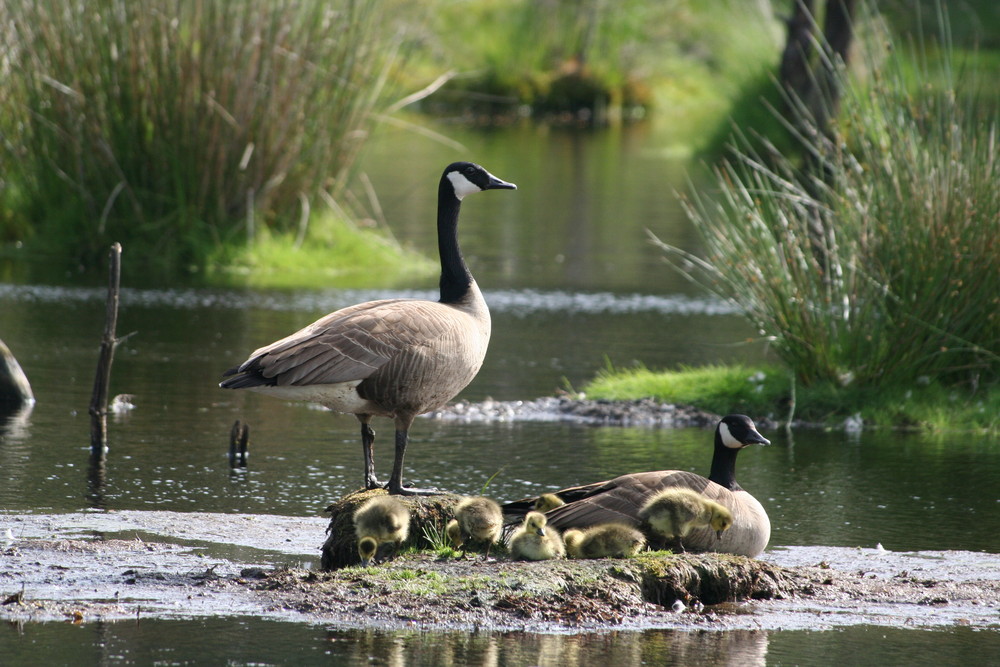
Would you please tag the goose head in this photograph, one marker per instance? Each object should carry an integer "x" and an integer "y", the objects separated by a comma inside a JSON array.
[
  {"x": 738, "y": 431},
  {"x": 468, "y": 177},
  {"x": 733, "y": 433}
]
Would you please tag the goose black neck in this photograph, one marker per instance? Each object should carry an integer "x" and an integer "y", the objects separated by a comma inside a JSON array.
[
  {"x": 455, "y": 276},
  {"x": 724, "y": 465}
]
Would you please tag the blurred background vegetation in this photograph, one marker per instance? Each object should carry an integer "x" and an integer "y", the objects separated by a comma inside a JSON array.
[
  {"x": 212, "y": 134},
  {"x": 854, "y": 218}
]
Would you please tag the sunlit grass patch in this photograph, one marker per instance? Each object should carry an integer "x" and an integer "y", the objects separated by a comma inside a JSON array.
[
  {"x": 769, "y": 391},
  {"x": 338, "y": 254},
  {"x": 718, "y": 388}
]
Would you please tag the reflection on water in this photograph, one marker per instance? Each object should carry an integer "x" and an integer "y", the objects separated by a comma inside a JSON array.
[
  {"x": 624, "y": 649},
  {"x": 239, "y": 641},
  {"x": 242, "y": 641},
  {"x": 577, "y": 222},
  {"x": 15, "y": 420}
]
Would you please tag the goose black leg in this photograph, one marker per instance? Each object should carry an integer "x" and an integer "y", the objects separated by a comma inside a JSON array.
[
  {"x": 367, "y": 445},
  {"x": 395, "y": 485}
]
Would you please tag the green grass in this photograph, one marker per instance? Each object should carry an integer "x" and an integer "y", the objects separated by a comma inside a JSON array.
[
  {"x": 440, "y": 545},
  {"x": 418, "y": 582},
  {"x": 767, "y": 391},
  {"x": 719, "y": 389}
]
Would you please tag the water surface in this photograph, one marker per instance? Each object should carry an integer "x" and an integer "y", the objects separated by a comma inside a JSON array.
[{"x": 571, "y": 281}]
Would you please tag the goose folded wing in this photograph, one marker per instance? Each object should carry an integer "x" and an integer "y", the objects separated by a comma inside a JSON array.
[
  {"x": 345, "y": 346},
  {"x": 618, "y": 499}
]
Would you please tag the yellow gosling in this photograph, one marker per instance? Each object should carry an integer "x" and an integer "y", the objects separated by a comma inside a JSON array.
[
  {"x": 676, "y": 511},
  {"x": 533, "y": 541},
  {"x": 607, "y": 540},
  {"x": 383, "y": 519},
  {"x": 547, "y": 502},
  {"x": 476, "y": 519}
]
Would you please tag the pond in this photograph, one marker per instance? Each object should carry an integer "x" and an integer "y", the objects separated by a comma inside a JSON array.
[{"x": 572, "y": 284}]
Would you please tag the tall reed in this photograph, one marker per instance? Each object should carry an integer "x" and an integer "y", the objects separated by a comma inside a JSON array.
[
  {"x": 885, "y": 269},
  {"x": 176, "y": 126}
]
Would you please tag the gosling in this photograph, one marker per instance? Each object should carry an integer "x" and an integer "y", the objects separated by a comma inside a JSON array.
[
  {"x": 380, "y": 520},
  {"x": 547, "y": 502},
  {"x": 476, "y": 520},
  {"x": 674, "y": 512},
  {"x": 533, "y": 541},
  {"x": 606, "y": 540}
]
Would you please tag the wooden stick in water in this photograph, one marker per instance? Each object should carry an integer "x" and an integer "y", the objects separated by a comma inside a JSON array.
[{"x": 102, "y": 380}]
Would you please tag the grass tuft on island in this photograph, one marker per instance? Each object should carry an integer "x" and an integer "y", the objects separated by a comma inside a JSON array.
[
  {"x": 769, "y": 391},
  {"x": 335, "y": 252}
]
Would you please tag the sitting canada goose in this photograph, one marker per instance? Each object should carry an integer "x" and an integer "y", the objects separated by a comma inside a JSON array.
[
  {"x": 533, "y": 541},
  {"x": 380, "y": 520},
  {"x": 621, "y": 498},
  {"x": 476, "y": 520},
  {"x": 674, "y": 512},
  {"x": 607, "y": 540},
  {"x": 394, "y": 358},
  {"x": 547, "y": 502}
]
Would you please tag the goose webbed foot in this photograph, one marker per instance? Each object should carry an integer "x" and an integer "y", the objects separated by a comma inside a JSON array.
[{"x": 400, "y": 490}]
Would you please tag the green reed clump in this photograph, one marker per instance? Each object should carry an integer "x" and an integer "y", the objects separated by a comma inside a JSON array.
[
  {"x": 882, "y": 266},
  {"x": 176, "y": 127}
]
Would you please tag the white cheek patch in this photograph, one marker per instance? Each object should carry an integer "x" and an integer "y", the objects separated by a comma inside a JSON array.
[
  {"x": 462, "y": 185},
  {"x": 727, "y": 438}
]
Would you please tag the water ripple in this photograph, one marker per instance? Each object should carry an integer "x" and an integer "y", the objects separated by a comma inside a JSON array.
[{"x": 514, "y": 302}]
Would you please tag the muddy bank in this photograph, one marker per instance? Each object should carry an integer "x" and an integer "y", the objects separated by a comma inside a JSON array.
[{"x": 125, "y": 565}]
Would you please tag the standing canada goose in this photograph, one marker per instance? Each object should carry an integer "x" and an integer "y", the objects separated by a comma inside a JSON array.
[
  {"x": 608, "y": 540},
  {"x": 547, "y": 502},
  {"x": 380, "y": 520},
  {"x": 534, "y": 541},
  {"x": 476, "y": 520},
  {"x": 674, "y": 512},
  {"x": 394, "y": 358},
  {"x": 621, "y": 498}
]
